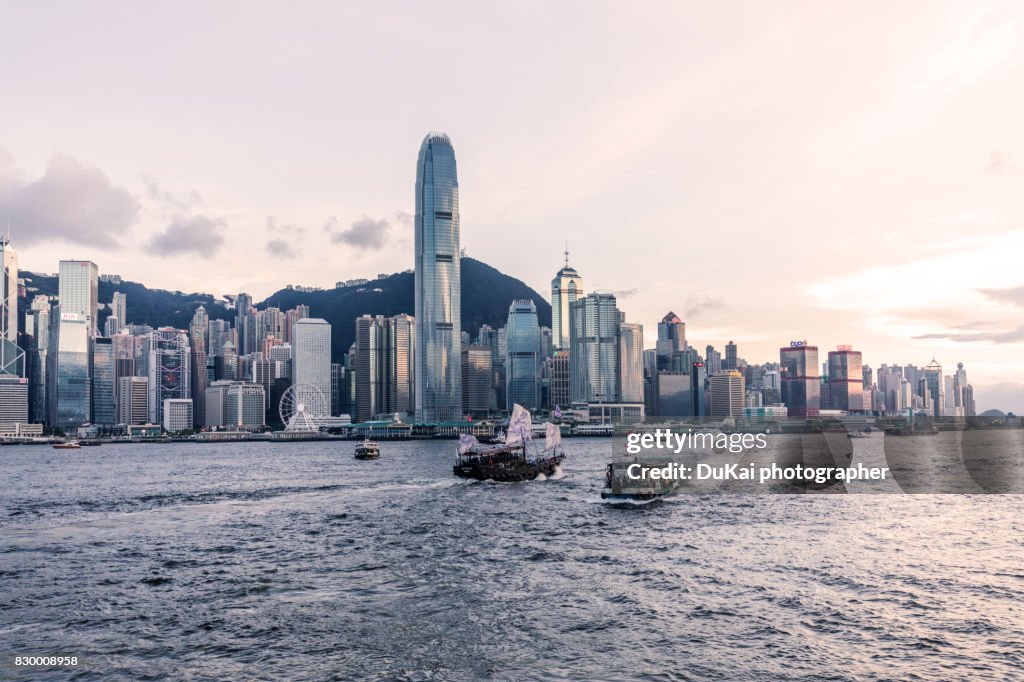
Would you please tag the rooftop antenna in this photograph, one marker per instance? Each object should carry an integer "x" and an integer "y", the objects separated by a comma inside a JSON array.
[{"x": 567, "y": 254}]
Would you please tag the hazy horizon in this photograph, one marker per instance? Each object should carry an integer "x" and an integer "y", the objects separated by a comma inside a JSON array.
[{"x": 842, "y": 173}]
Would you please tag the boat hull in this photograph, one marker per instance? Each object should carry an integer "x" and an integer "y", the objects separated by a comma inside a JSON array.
[{"x": 507, "y": 472}]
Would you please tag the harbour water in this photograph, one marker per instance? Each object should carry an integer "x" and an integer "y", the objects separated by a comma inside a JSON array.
[{"x": 295, "y": 561}]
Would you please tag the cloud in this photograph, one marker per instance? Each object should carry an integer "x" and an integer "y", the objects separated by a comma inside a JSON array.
[
  {"x": 626, "y": 293},
  {"x": 1012, "y": 336},
  {"x": 199, "y": 234},
  {"x": 71, "y": 201},
  {"x": 277, "y": 228},
  {"x": 695, "y": 305},
  {"x": 182, "y": 202},
  {"x": 281, "y": 248},
  {"x": 364, "y": 234},
  {"x": 1001, "y": 163},
  {"x": 1014, "y": 295}
]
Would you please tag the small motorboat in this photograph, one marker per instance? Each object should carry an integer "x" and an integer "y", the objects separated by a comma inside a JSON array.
[
  {"x": 69, "y": 445},
  {"x": 368, "y": 449}
]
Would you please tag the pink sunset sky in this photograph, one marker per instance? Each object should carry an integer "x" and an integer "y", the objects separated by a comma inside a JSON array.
[{"x": 841, "y": 172}]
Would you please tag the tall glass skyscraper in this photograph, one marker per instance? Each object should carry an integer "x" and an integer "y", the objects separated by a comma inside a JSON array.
[
  {"x": 594, "y": 349},
  {"x": 522, "y": 362},
  {"x": 438, "y": 288},
  {"x": 170, "y": 371},
  {"x": 801, "y": 385},
  {"x": 103, "y": 378},
  {"x": 12, "y": 359},
  {"x": 566, "y": 287},
  {"x": 311, "y": 363}
]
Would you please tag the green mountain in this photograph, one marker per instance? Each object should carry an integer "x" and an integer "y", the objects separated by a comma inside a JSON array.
[{"x": 486, "y": 295}]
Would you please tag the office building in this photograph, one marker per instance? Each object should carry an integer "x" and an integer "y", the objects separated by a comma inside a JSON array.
[
  {"x": 311, "y": 362},
  {"x": 727, "y": 393},
  {"x": 731, "y": 360},
  {"x": 559, "y": 392},
  {"x": 594, "y": 348},
  {"x": 801, "y": 385},
  {"x": 477, "y": 368},
  {"x": 522, "y": 359},
  {"x": 671, "y": 342},
  {"x": 566, "y": 288},
  {"x": 104, "y": 407},
  {"x": 169, "y": 371},
  {"x": 12, "y": 358},
  {"x": 934, "y": 388},
  {"x": 384, "y": 366},
  {"x": 132, "y": 400},
  {"x": 13, "y": 402},
  {"x": 846, "y": 380},
  {"x": 119, "y": 308},
  {"x": 177, "y": 414},
  {"x": 70, "y": 382},
  {"x": 78, "y": 288},
  {"x": 244, "y": 406},
  {"x": 631, "y": 362},
  {"x": 437, "y": 283},
  {"x": 37, "y": 328}
]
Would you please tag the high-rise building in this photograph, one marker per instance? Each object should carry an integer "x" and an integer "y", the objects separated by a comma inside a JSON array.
[
  {"x": 384, "y": 365},
  {"x": 846, "y": 379},
  {"x": 219, "y": 333},
  {"x": 177, "y": 414},
  {"x": 13, "y": 402},
  {"x": 103, "y": 382},
  {"x": 170, "y": 374},
  {"x": 712, "y": 360},
  {"x": 245, "y": 324},
  {"x": 132, "y": 400},
  {"x": 244, "y": 406},
  {"x": 727, "y": 393},
  {"x": 12, "y": 358},
  {"x": 37, "y": 326},
  {"x": 198, "y": 333},
  {"x": 311, "y": 361},
  {"x": 731, "y": 360},
  {"x": 559, "y": 392},
  {"x": 566, "y": 287},
  {"x": 70, "y": 386},
  {"x": 476, "y": 380},
  {"x": 119, "y": 309},
  {"x": 935, "y": 389},
  {"x": 522, "y": 359},
  {"x": 801, "y": 385},
  {"x": 671, "y": 342},
  {"x": 594, "y": 348},
  {"x": 631, "y": 362},
  {"x": 78, "y": 288},
  {"x": 438, "y": 287}
]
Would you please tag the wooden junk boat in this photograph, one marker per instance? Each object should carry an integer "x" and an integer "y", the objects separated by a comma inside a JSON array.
[{"x": 510, "y": 462}]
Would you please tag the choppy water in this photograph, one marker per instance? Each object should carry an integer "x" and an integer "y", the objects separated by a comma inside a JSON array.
[{"x": 294, "y": 561}]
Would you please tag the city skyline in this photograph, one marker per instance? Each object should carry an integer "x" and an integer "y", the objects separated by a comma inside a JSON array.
[{"x": 718, "y": 160}]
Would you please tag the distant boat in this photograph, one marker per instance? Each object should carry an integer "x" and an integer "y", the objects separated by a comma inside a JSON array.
[
  {"x": 599, "y": 430},
  {"x": 510, "y": 462},
  {"x": 368, "y": 449},
  {"x": 69, "y": 445}
]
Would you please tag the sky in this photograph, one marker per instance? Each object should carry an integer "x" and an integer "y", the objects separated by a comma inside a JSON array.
[{"x": 840, "y": 172}]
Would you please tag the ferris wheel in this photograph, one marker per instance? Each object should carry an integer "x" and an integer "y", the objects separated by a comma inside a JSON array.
[{"x": 303, "y": 407}]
